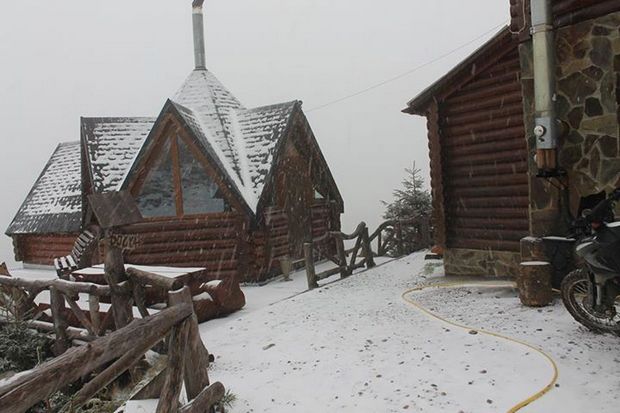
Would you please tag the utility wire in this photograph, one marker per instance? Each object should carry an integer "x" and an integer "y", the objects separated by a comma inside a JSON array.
[{"x": 407, "y": 73}]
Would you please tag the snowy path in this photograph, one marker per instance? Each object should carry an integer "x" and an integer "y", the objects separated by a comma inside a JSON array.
[{"x": 356, "y": 346}]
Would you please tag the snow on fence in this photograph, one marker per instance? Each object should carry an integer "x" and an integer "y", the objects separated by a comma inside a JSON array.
[
  {"x": 390, "y": 238},
  {"x": 188, "y": 361}
]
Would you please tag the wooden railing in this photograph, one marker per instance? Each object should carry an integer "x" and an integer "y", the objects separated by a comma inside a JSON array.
[
  {"x": 64, "y": 304},
  {"x": 119, "y": 351},
  {"x": 389, "y": 236}
]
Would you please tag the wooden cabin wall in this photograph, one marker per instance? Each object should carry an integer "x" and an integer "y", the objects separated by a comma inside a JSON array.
[
  {"x": 565, "y": 12},
  {"x": 214, "y": 241},
  {"x": 484, "y": 169},
  {"x": 271, "y": 243},
  {"x": 42, "y": 249}
]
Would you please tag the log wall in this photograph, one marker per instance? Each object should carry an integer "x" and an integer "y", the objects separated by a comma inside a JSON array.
[
  {"x": 222, "y": 243},
  {"x": 484, "y": 159},
  {"x": 565, "y": 13},
  {"x": 42, "y": 249},
  {"x": 212, "y": 241}
]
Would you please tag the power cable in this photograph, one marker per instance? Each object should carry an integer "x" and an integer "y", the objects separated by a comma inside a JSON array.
[{"x": 408, "y": 72}]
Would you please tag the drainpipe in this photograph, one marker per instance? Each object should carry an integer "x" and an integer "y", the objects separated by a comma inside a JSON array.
[
  {"x": 546, "y": 129},
  {"x": 199, "y": 34}
]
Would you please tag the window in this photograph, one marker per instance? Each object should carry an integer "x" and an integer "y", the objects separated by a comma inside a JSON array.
[
  {"x": 169, "y": 182},
  {"x": 200, "y": 193},
  {"x": 156, "y": 198}
]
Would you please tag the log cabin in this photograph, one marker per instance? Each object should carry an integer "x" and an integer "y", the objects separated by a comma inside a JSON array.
[
  {"x": 497, "y": 196},
  {"x": 221, "y": 186}
]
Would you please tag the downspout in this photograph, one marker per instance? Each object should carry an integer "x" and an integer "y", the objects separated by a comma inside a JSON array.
[
  {"x": 199, "y": 34},
  {"x": 546, "y": 129}
]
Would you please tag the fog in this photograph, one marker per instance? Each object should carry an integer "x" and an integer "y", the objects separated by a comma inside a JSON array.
[{"x": 65, "y": 59}]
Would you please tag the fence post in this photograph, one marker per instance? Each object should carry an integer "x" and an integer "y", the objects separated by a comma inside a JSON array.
[
  {"x": 342, "y": 257},
  {"x": 370, "y": 261},
  {"x": 310, "y": 271},
  {"x": 57, "y": 303},
  {"x": 399, "y": 239}
]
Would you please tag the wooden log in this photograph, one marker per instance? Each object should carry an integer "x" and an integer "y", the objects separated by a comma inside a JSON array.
[
  {"x": 114, "y": 268},
  {"x": 208, "y": 398},
  {"x": 310, "y": 270},
  {"x": 73, "y": 333},
  {"x": 66, "y": 287},
  {"x": 139, "y": 298},
  {"x": 41, "y": 382},
  {"x": 57, "y": 304},
  {"x": 169, "y": 398},
  {"x": 93, "y": 308},
  {"x": 328, "y": 273},
  {"x": 534, "y": 283},
  {"x": 155, "y": 280},
  {"x": 370, "y": 261},
  {"x": 124, "y": 363},
  {"x": 79, "y": 314},
  {"x": 197, "y": 355},
  {"x": 342, "y": 258}
]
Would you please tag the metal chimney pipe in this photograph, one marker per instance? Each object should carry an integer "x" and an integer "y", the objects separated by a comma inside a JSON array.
[
  {"x": 546, "y": 127},
  {"x": 199, "y": 35}
]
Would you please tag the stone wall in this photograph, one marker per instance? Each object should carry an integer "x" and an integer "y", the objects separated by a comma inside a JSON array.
[
  {"x": 587, "y": 68},
  {"x": 588, "y": 60},
  {"x": 481, "y": 263}
]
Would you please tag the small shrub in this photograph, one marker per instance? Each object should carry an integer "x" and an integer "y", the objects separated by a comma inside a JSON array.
[{"x": 22, "y": 348}]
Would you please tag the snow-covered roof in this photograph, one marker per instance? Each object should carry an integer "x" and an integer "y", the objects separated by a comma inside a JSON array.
[
  {"x": 54, "y": 202},
  {"x": 242, "y": 140},
  {"x": 112, "y": 145}
]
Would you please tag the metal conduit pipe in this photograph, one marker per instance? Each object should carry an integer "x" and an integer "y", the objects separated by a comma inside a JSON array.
[
  {"x": 546, "y": 129},
  {"x": 199, "y": 35}
]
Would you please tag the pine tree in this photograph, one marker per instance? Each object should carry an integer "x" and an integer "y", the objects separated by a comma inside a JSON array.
[{"x": 409, "y": 202}]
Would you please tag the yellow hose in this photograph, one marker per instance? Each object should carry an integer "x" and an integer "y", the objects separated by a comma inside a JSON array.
[{"x": 519, "y": 405}]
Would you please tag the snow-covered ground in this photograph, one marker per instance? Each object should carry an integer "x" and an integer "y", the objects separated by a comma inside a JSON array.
[{"x": 357, "y": 346}]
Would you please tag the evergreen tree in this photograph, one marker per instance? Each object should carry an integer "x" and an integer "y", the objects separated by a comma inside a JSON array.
[{"x": 409, "y": 202}]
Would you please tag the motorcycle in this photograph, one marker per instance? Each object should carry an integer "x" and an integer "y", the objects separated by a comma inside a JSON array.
[{"x": 592, "y": 294}]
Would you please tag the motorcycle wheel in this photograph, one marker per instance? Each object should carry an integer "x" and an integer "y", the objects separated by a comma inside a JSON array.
[{"x": 575, "y": 287}]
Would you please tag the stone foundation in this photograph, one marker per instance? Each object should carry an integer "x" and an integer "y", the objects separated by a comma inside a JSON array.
[{"x": 481, "y": 263}]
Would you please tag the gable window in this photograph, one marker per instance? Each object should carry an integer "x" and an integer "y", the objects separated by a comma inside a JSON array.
[
  {"x": 200, "y": 193},
  {"x": 156, "y": 198},
  {"x": 177, "y": 184}
]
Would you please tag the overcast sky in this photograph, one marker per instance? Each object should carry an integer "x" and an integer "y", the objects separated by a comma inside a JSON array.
[{"x": 65, "y": 59}]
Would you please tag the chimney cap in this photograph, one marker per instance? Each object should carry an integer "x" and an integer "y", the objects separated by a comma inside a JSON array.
[{"x": 197, "y": 3}]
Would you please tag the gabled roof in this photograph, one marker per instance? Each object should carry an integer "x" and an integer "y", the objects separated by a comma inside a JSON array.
[
  {"x": 242, "y": 142},
  {"x": 54, "y": 202},
  {"x": 469, "y": 66},
  {"x": 111, "y": 145}
]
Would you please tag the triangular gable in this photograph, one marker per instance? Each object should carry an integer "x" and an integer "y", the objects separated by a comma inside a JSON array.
[
  {"x": 298, "y": 127},
  {"x": 173, "y": 135}
]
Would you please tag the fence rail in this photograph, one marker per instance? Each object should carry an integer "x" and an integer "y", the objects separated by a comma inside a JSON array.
[
  {"x": 119, "y": 351},
  {"x": 390, "y": 237}
]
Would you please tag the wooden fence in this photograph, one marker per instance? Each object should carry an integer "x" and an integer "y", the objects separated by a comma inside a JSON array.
[
  {"x": 66, "y": 319},
  {"x": 389, "y": 237},
  {"x": 119, "y": 351}
]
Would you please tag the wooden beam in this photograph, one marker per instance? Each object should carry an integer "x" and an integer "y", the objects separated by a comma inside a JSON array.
[
  {"x": 205, "y": 400},
  {"x": 35, "y": 385},
  {"x": 145, "y": 278},
  {"x": 197, "y": 355},
  {"x": 169, "y": 398},
  {"x": 176, "y": 174}
]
